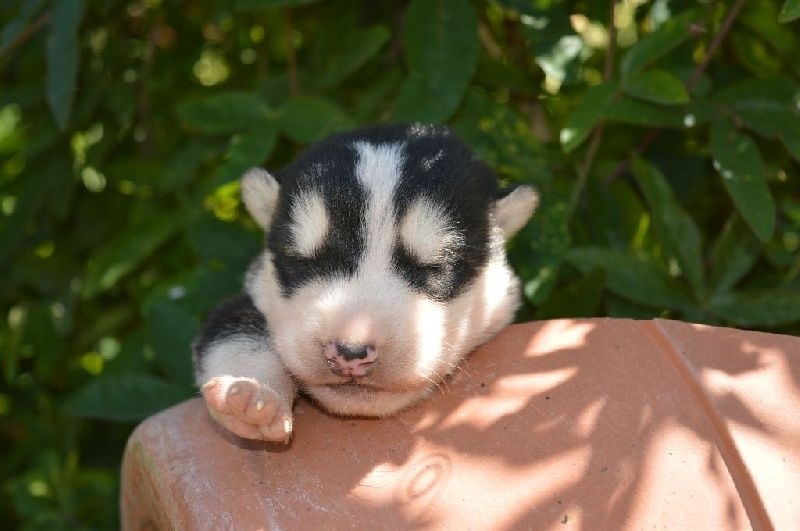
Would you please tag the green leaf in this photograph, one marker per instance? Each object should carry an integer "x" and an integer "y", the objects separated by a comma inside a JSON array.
[
  {"x": 136, "y": 170},
  {"x": 200, "y": 288},
  {"x": 170, "y": 330},
  {"x": 266, "y": 4},
  {"x": 247, "y": 149},
  {"x": 11, "y": 338},
  {"x": 17, "y": 25},
  {"x": 378, "y": 98},
  {"x": 556, "y": 62},
  {"x": 657, "y": 86},
  {"x": 616, "y": 215},
  {"x": 635, "y": 112},
  {"x": 765, "y": 308},
  {"x": 496, "y": 74},
  {"x": 218, "y": 242},
  {"x": 761, "y": 20},
  {"x": 307, "y": 119},
  {"x": 125, "y": 397},
  {"x": 675, "y": 228},
  {"x": 225, "y": 112},
  {"x": 441, "y": 44},
  {"x": 551, "y": 40},
  {"x": 666, "y": 38},
  {"x": 585, "y": 116},
  {"x": 47, "y": 187},
  {"x": 790, "y": 11},
  {"x": 502, "y": 138},
  {"x": 633, "y": 279},
  {"x": 754, "y": 54},
  {"x": 600, "y": 102},
  {"x": 581, "y": 298},
  {"x": 126, "y": 252},
  {"x": 131, "y": 357},
  {"x": 767, "y": 106},
  {"x": 351, "y": 51},
  {"x": 62, "y": 54},
  {"x": 183, "y": 164},
  {"x": 733, "y": 255},
  {"x": 790, "y": 136},
  {"x": 737, "y": 159},
  {"x": 538, "y": 250},
  {"x": 619, "y": 307}
]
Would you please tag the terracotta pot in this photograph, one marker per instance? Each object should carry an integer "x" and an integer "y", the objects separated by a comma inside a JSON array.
[{"x": 584, "y": 424}]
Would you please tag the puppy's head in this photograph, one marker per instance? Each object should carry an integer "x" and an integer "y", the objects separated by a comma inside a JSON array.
[{"x": 384, "y": 263}]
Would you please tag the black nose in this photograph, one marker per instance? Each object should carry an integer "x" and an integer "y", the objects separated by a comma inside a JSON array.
[{"x": 352, "y": 351}]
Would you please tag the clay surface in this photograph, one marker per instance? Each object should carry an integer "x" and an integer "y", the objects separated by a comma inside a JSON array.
[{"x": 564, "y": 424}]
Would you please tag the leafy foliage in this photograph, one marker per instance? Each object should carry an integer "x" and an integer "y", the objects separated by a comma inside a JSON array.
[{"x": 665, "y": 145}]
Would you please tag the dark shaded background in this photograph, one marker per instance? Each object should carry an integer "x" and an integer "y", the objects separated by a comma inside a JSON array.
[{"x": 667, "y": 162}]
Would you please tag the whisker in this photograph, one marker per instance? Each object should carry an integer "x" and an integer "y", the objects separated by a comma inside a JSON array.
[
  {"x": 434, "y": 382},
  {"x": 454, "y": 366}
]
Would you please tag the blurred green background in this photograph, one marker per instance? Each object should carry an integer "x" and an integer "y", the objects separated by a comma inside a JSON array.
[{"x": 664, "y": 137}]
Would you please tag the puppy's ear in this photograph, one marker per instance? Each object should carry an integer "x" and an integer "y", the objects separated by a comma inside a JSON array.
[
  {"x": 513, "y": 210},
  {"x": 260, "y": 195}
]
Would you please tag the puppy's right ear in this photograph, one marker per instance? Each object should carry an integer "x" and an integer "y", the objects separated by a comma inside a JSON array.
[
  {"x": 514, "y": 209},
  {"x": 260, "y": 195}
]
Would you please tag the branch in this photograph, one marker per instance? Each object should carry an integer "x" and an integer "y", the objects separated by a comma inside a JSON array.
[
  {"x": 727, "y": 24},
  {"x": 597, "y": 134},
  {"x": 650, "y": 137},
  {"x": 291, "y": 57},
  {"x": 395, "y": 48},
  {"x": 147, "y": 146},
  {"x": 585, "y": 168},
  {"x": 608, "y": 69},
  {"x": 25, "y": 34}
]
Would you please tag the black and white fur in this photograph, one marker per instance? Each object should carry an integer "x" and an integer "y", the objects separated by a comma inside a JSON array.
[{"x": 384, "y": 266}]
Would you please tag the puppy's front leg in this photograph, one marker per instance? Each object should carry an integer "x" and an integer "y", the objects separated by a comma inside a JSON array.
[{"x": 245, "y": 385}]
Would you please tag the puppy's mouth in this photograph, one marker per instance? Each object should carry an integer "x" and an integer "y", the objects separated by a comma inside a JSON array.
[
  {"x": 353, "y": 384},
  {"x": 353, "y": 397}
]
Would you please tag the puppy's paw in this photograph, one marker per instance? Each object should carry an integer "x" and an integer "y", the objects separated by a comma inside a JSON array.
[{"x": 248, "y": 408}]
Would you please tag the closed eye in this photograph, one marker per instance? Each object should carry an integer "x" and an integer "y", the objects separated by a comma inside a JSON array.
[
  {"x": 309, "y": 223},
  {"x": 428, "y": 233}
]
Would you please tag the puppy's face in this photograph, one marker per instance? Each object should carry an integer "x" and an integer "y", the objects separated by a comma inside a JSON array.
[{"x": 384, "y": 263}]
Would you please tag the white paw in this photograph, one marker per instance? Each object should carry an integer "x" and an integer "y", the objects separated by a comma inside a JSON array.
[{"x": 248, "y": 408}]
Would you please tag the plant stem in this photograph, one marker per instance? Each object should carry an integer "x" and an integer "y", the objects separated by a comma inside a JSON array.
[
  {"x": 585, "y": 168},
  {"x": 727, "y": 24},
  {"x": 793, "y": 271},
  {"x": 147, "y": 145},
  {"x": 608, "y": 68},
  {"x": 291, "y": 57},
  {"x": 25, "y": 34},
  {"x": 694, "y": 77},
  {"x": 597, "y": 135}
]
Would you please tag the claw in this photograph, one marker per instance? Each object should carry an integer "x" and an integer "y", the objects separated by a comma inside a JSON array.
[{"x": 248, "y": 408}]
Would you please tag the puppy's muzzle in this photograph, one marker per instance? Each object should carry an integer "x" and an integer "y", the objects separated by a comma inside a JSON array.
[{"x": 349, "y": 359}]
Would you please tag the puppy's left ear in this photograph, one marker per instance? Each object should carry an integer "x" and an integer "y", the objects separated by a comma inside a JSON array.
[
  {"x": 513, "y": 210},
  {"x": 260, "y": 195}
]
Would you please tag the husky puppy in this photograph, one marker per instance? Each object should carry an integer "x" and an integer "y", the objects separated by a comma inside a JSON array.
[{"x": 384, "y": 266}]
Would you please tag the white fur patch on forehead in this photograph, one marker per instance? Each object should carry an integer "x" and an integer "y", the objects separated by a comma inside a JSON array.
[
  {"x": 379, "y": 167},
  {"x": 427, "y": 231},
  {"x": 310, "y": 222}
]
